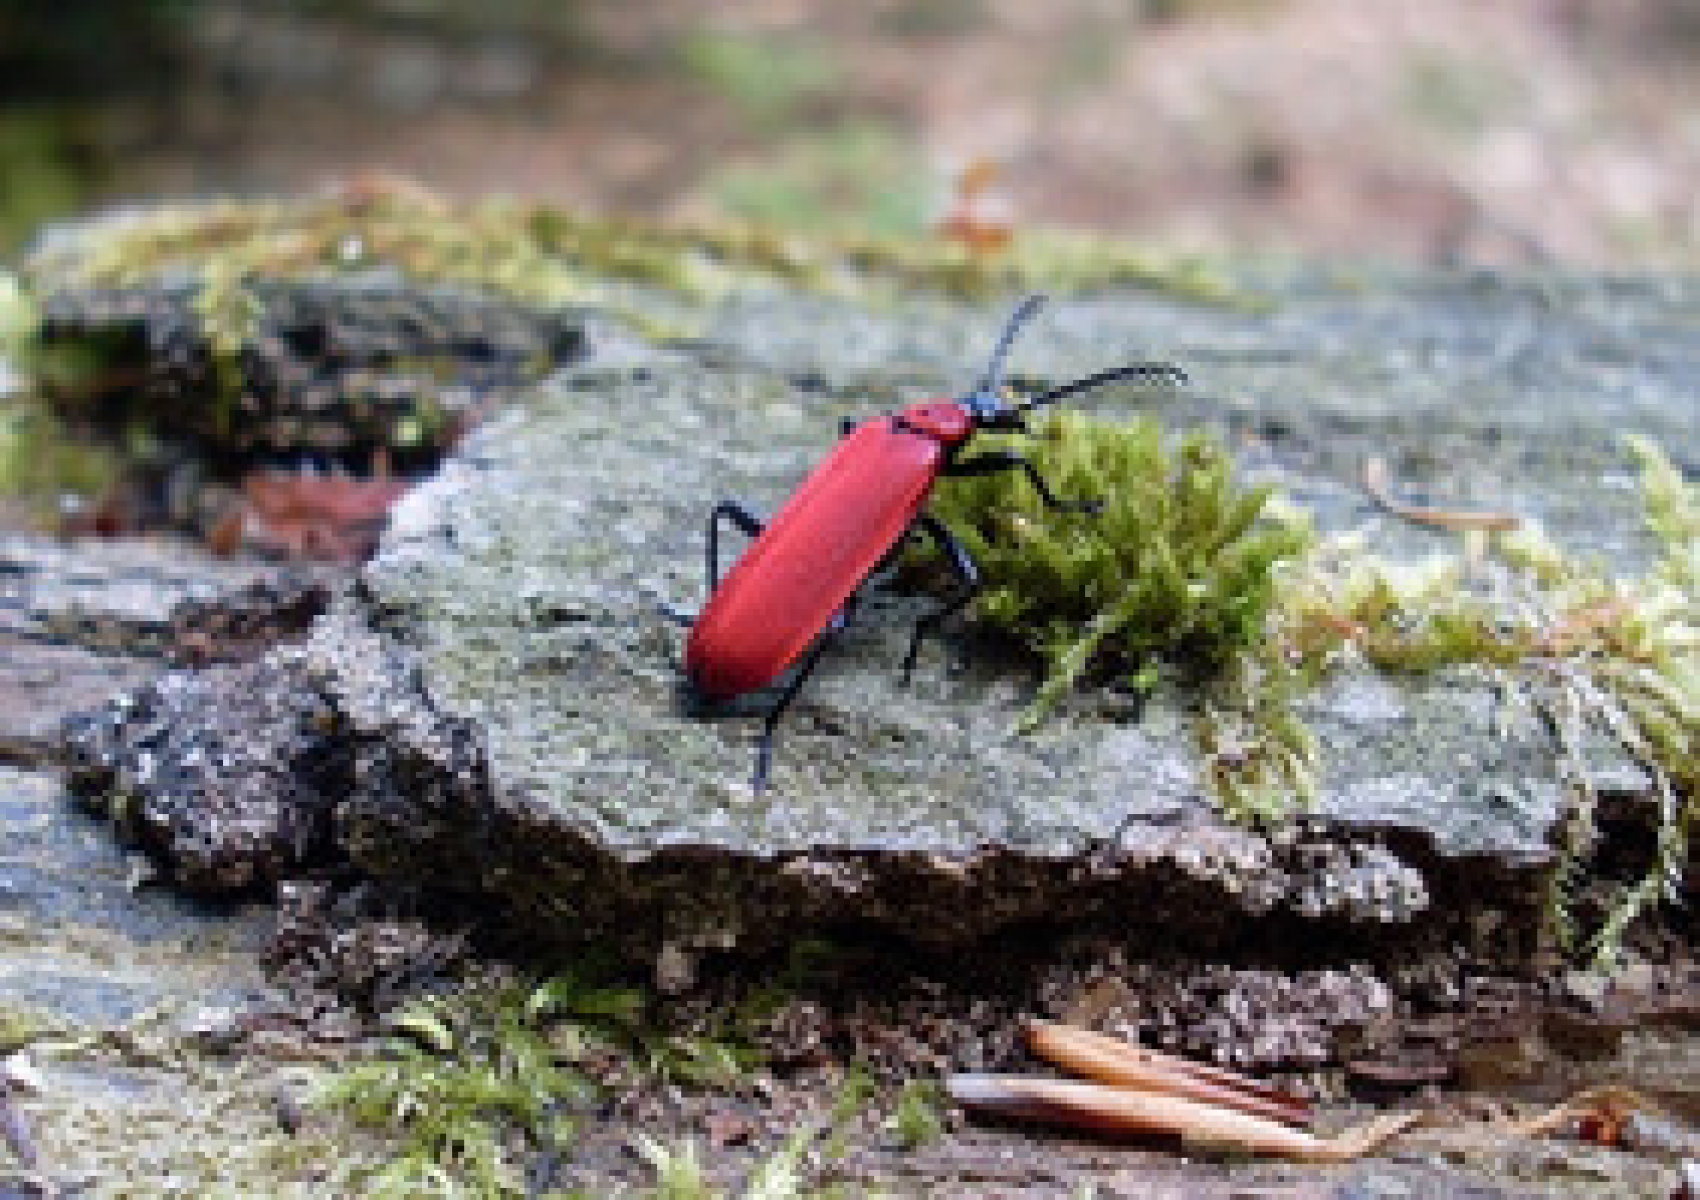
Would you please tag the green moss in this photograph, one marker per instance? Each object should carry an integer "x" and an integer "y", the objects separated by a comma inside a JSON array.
[
  {"x": 1619, "y": 657},
  {"x": 42, "y": 461},
  {"x": 679, "y": 1173},
  {"x": 1673, "y": 515},
  {"x": 229, "y": 315},
  {"x": 535, "y": 254},
  {"x": 1175, "y": 568},
  {"x": 1176, "y": 575},
  {"x": 477, "y": 1081},
  {"x": 678, "y": 1169},
  {"x": 1403, "y": 618},
  {"x": 551, "y": 255},
  {"x": 1179, "y": 576},
  {"x": 812, "y": 1145},
  {"x": 916, "y": 1115},
  {"x": 1259, "y": 757},
  {"x": 19, "y": 317}
]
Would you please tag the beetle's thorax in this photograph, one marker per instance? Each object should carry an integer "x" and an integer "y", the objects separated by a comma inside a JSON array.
[{"x": 945, "y": 421}]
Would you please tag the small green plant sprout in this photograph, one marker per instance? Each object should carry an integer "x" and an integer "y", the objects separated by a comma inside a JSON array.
[
  {"x": 679, "y": 1173},
  {"x": 476, "y": 1082},
  {"x": 780, "y": 1175},
  {"x": 472, "y": 1084},
  {"x": 1673, "y": 516},
  {"x": 1176, "y": 567},
  {"x": 678, "y": 1169},
  {"x": 18, "y": 315},
  {"x": 915, "y": 1119}
]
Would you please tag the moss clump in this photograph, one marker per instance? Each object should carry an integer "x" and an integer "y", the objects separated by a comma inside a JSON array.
[
  {"x": 1174, "y": 569},
  {"x": 41, "y": 460},
  {"x": 916, "y": 1118},
  {"x": 484, "y": 1085},
  {"x": 45, "y": 463},
  {"x": 18, "y": 316},
  {"x": 478, "y": 1081}
]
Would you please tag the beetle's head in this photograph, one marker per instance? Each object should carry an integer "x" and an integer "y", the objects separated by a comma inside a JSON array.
[
  {"x": 986, "y": 402},
  {"x": 990, "y": 412}
]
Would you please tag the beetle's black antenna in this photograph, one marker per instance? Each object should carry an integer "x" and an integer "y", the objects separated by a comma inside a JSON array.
[
  {"x": 1162, "y": 374},
  {"x": 992, "y": 380}
]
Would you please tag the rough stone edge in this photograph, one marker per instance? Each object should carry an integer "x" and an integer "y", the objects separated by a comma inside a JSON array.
[{"x": 355, "y": 763}]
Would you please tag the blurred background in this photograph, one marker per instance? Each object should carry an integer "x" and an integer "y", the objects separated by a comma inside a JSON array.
[{"x": 1514, "y": 131}]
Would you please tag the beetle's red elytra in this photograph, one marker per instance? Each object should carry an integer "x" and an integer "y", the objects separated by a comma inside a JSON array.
[{"x": 799, "y": 577}]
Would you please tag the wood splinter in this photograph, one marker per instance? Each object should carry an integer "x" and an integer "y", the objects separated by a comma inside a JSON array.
[
  {"x": 1103, "y": 1108},
  {"x": 1135, "y": 1090},
  {"x": 1111, "y": 1060}
]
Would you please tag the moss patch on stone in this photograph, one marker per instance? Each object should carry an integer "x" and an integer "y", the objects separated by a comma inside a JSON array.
[
  {"x": 1175, "y": 569},
  {"x": 550, "y": 256},
  {"x": 1178, "y": 575},
  {"x": 481, "y": 1079},
  {"x": 43, "y": 461},
  {"x": 1174, "y": 575},
  {"x": 1592, "y": 655}
]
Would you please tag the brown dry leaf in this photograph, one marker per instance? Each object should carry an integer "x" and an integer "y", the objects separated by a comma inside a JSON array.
[{"x": 334, "y": 517}]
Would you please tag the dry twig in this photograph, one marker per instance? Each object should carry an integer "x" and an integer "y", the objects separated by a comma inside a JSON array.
[{"x": 1375, "y": 483}]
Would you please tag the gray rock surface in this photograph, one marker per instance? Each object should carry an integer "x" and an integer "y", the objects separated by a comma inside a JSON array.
[
  {"x": 497, "y": 707},
  {"x": 113, "y": 992},
  {"x": 87, "y": 941},
  {"x": 80, "y": 623}
]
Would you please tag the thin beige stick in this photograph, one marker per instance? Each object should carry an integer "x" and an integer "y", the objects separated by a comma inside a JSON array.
[
  {"x": 1610, "y": 1103},
  {"x": 1375, "y": 483},
  {"x": 1111, "y": 1060},
  {"x": 1120, "y": 1110}
]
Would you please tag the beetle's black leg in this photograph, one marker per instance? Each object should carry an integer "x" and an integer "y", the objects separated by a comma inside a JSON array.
[
  {"x": 967, "y": 575},
  {"x": 740, "y": 516},
  {"x": 764, "y": 744},
  {"x": 994, "y": 461}
]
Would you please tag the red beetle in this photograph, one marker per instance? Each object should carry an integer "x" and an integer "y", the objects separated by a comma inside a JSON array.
[{"x": 799, "y": 578}]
